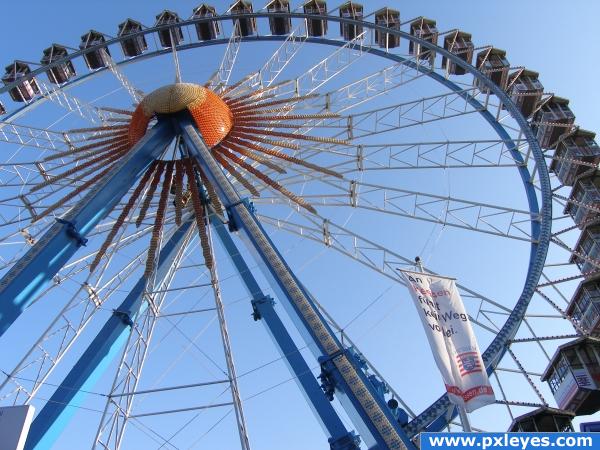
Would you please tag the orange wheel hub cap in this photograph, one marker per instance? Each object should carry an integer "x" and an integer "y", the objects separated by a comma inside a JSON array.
[{"x": 210, "y": 113}]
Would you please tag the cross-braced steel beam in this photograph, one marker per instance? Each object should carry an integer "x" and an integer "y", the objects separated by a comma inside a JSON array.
[
  {"x": 340, "y": 370},
  {"x": 264, "y": 310},
  {"x": 28, "y": 276},
  {"x": 55, "y": 415},
  {"x": 221, "y": 78}
]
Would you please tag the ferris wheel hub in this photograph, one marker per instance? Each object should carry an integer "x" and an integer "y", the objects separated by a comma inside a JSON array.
[
  {"x": 172, "y": 98},
  {"x": 210, "y": 112}
]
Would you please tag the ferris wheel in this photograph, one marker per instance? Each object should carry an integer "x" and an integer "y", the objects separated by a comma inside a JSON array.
[{"x": 165, "y": 192}]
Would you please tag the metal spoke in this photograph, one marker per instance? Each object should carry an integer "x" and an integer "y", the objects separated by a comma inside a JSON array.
[
  {"x": 118, "y": 408},
  {"x": 40, "y": 138},
  {"x": 412, "y": 113},
  {"x": 395, "y": 117},
  {"x": 136, "y": 94},
  {"x": 333, "y": 65},
  {"x": 64, "y": 330},
  {"x": 233, "y": 382},
  {"x": 278, "y": 61},
  {"x": 367, "y": 252},
  {"x": 348, "y": 96},
  {"x": 474, "y": 154},
  {"x": 371, "y": 86},
  {"x": 72, "y": 320},
  {"x": 445, "y": 210},
  {"x": 221, "y": 78},
  {"x": 72, "y": 103}
]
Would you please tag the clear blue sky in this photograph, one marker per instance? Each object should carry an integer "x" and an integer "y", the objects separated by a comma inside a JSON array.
[
  {"x": 556, "y": 38},
  {"x": 553, "y": 37}
]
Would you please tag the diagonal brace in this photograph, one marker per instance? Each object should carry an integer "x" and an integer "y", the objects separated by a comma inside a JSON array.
[
  {"x": 59, "y": 409},
  {"x": 37, "y": 267},
  {"x": 369, "y": 412}
]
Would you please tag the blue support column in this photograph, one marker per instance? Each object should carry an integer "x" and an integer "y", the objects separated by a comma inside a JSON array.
[
  {"x": 341, "y": 372},
  {"x": 339, "y": 438},
  {"x": 27, "y": 277},
  {"x": 55, "y": 415}
]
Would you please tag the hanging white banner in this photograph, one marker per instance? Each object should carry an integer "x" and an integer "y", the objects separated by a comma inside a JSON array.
[{"x": 451, "y": 339}]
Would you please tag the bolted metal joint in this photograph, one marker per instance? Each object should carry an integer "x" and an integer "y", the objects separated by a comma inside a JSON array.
[
  {"x": 350, "y": 441},
  {"x": 380, "y": 386},
  {"x": 327, "y": 379},
  {"x": 256, "y": 305},
  {"x": 232, "y": 225},
  {"x": 124, "y": 316},
  {"x": 358, "y": 358},
  {"x": 72, "y": 232}
]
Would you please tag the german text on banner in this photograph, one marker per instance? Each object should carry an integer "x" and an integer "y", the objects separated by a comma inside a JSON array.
[{"x": 451, "y": 339}]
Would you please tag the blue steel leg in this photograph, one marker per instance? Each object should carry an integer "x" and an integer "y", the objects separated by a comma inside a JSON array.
[
  {"x": 338, "y": 436},
  {"x": 27, "y": 277},
  {"x": 372, "y": 417},
  {"x": 57, "y": 412}
]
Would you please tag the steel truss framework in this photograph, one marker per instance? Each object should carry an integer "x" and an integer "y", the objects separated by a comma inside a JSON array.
[{"x": 506, "y": 151}]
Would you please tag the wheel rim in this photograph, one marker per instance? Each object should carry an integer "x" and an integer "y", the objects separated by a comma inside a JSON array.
[{"x": 495, "y": 351}]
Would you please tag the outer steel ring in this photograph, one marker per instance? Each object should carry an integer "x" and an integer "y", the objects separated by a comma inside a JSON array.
[{"x": 434, "y": 417}]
